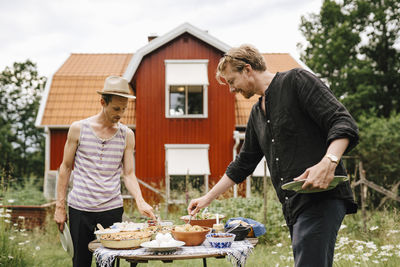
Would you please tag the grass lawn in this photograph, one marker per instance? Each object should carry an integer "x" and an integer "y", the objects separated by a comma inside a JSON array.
[{"x": 379, "y": 245}]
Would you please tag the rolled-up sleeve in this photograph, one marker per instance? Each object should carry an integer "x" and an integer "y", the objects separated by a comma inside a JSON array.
[
  {"x": 323, "y": 107},
  {"x": 249, "y": 156}
]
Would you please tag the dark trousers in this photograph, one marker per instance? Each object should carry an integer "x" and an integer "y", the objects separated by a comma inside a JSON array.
[
  {"x": 315, "y": 231},
  {"x": 82, "y": 225}
]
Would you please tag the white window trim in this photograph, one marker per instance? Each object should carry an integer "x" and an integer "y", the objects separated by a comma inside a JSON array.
[
  {"x": 167, "y": 176},
  {"x": 205, "y": 90}
]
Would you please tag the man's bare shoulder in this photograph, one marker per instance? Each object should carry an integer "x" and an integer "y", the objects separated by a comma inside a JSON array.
[
  {"x": 75, "y": 130},
  {"x": 129, "y": 132}
]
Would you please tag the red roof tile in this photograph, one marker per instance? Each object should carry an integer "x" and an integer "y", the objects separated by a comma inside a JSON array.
[{"x": 73, "y": 94}]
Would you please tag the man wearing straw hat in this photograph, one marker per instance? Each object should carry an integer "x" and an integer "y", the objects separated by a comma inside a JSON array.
[{"x": 100, "y": 149}]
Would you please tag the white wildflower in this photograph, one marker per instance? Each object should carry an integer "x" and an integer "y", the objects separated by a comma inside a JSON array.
[
  {"x": 27, "y": 241},
  {"x": 274, "y": 252},
  {"x": 10, "y": 257},
  {"x": 384, "y": 259},
  {"x": 11, "y": 200},
  {"x": 367, "y": 254},
  {"x": 8, "y": 215},
  {"x": 279, "y": 245},
  {"x": 373, "y": 228},
  {"x": 15, "y": 224},
  {"x": 350, "y": 256},
  {"x": 37, "y": 248},
  {"x": 21, "y": 243},
  {"x": 344, "y": 240},
  {"x": 24, "y": 234},
  {"x": 387, "y": 247},
  {"x": 343, "y": 226},
  {"x": 371, "y": 245},
  {"x": 375, "y": 261},
  {"x": 359, "y": 248},
  {"x": 21, "y": 217},
  {"x": 7, "y": 221},
  {"x": 22, "y": 230},
  {"x": 385, "y": 253},
  {"x": 11, "y": 237},
  {"x": 8, "y": 210}
]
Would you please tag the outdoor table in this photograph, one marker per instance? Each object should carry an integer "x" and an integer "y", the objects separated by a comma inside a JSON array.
[{"x": 166, "y": 258}]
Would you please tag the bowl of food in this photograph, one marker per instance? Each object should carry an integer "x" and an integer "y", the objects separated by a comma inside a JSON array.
[
  {"x": 203, "y": 219},
  {"x": 220, "y": 240},
  {"x": 192, "y": 235},
  {"x": 124, "y": 240},
  {"x": 101, "y": 232}
]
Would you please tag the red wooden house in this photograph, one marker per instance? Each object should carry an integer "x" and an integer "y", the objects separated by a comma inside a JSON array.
[{"x": 184, "y": 121}]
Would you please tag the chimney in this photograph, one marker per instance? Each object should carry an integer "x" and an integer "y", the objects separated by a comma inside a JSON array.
[{"x": 152, "y": 36}]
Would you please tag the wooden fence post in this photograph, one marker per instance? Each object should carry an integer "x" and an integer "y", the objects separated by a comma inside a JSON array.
[
  {"x": 265, "y": 191},
  {"x": 363, "y": 189}
]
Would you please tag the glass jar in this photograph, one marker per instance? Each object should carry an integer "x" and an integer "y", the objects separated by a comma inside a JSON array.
[{"x": 218, "y": 228}]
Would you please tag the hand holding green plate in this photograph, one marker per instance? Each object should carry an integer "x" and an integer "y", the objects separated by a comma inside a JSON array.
[{"x": 296, "y": 185}]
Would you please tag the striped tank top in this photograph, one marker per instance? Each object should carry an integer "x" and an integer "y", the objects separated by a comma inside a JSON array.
[{"x": 97, "y": 170}]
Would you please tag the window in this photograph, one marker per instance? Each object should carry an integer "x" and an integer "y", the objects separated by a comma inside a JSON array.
[
  {"x": 186, "y": 88},
  {"x": 187, "y": 171},
  {"x": 186, "y": 100}
]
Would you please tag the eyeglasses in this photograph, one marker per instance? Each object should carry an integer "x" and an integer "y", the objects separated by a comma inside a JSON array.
[{"x": 238, "y": 58}]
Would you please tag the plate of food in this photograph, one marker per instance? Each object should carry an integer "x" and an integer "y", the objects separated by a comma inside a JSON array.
[
  {"x": 297, "y": 185},
  {"x": 163, "y": 242}
]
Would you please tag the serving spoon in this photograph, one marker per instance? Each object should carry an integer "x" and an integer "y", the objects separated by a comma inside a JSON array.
[{"x": 100, "y": 227}]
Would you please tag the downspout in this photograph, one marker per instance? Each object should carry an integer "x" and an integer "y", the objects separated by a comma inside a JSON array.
[{"x": 236, "y": 137}]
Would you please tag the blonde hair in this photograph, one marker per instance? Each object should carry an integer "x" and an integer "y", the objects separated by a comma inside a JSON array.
[{"x": 238, "y": 57}]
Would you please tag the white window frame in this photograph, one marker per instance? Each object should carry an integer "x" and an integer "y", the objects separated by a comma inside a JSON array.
[
  {"x": 167, "y": 175},
  {"x": 167, "y": 91}
]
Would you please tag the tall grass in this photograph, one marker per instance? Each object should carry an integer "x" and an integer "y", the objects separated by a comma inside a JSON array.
[
  {"x": 379, "y": 245},
  {"x": 12, "y": 241}
]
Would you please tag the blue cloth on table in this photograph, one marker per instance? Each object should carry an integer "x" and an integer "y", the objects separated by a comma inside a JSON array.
[{"x": 258, "y": 228}]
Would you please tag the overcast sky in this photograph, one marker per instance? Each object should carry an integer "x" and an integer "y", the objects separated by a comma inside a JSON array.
[{"x": 48, "y": 31}]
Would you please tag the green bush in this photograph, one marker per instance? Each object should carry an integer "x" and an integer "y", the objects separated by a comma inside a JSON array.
[
  {"x": 379, "y": 150},
  {"x": 26, "y": 193}
]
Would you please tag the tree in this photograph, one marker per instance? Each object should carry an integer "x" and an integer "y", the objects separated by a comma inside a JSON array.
[
  {"x": 21, "y": 143},
  {"x": 354, "y": 46}
]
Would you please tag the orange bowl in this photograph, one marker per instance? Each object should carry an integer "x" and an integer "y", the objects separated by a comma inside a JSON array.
[
  {"x": 202, "y": 222},
  {"x": 191, "y": 238}
]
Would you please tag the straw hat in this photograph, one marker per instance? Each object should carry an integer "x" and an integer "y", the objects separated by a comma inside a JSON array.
[{"x": 115, "y": 85}]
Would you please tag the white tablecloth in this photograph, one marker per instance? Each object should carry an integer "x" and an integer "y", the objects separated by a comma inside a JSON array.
[{"x": 237, "y": 254}]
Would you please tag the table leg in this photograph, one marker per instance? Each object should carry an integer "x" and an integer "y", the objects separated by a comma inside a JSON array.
[
  {"x": 134, "y": 264},
  {"x": 204, "y": 262},
  {"x": 117, "y": 262}
]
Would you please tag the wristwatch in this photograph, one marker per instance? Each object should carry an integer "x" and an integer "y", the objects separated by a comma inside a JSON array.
[{"x": 332, "y": 158}]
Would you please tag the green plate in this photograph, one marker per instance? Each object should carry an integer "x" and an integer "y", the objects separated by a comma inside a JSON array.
[{"x": 296, "y": 185}]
